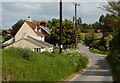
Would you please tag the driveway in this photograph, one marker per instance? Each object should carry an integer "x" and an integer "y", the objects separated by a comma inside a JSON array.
[{"x": 98, "y": 69}]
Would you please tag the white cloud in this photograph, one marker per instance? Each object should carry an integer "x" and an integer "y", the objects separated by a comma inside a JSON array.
[
  {"x": 59, "y": 0},
  {"x": 0, "y": 14},
  {"x": 14, "y": 11}
]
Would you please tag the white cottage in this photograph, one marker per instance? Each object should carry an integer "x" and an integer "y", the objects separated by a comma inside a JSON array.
[{"x": 31, "y": 36}]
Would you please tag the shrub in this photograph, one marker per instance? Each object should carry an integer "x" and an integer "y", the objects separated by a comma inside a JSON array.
[
  {"x": 88, "y": 38},
  {"x": 94, "y": 50},
  {"x": 25, "y": 53},
  {"x": 96, "y": 43},
  {"x": 108, "y": 39},
  {"x": 101, "y": 48},
  {"x": 43, "y": 66},
  {"x": 114, "y": 54}
]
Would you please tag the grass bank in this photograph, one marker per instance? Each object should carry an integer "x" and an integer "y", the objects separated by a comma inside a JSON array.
[
  {"x": 96, "y": 51},
  {"x": 24, "y": 65}
]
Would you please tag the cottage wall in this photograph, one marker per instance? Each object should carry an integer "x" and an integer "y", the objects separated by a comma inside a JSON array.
[
  {"x": 24, "y": 44},
  {"x": 25, "y": 31}
]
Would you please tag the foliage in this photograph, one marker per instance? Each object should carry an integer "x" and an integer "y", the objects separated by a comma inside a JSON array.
[
  {"x": 40, "y": 66},
  {"x": 96, "y": 43},
  {"x": 68, "y": 33},
  {"x": 4, "y": 35},
  {"x": 96, "y": 51},
  {"x": 96, "y": 26},
  {"x": 101, "y": 48},
  {"x": 113, "y": 7},
  {"x": 109, "y": 23},
  {"x": 85, "y": 27},
  {"x": 16, "y": 27},
  {"x": 108, "y": 39},
  {"x": 35, "y": 22},
  {"x": 114, "y": 53},
  {"x": 89, "y": 37}
]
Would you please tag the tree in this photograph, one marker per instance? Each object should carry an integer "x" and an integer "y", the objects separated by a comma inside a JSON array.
[
  {"x": 108, "y": 39},
  {"x": 109, "y": 23},
  {"x": 113, "y": 7},
  {"x": 68, "y": 33},
  {"x": 89, "y": 37},
  {"x": 35, "y": 22},
  {"x": 85, "y": 27},
  {"x": 96, "y": 26},
  {"x": 16, "y": 27}
]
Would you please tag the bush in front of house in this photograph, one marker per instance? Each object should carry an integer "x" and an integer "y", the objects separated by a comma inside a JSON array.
[{"x": 43, "y": 66}]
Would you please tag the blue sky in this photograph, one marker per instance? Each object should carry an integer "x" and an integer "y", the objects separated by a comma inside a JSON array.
[{"x": 14, "y": 11}]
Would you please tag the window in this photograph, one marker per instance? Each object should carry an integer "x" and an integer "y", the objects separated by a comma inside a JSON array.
[
  {"x": 37, "y": 50},
  {"x": 36, "y": 29},
  {"x": 40, "y": 30},
  {"x": 39, "y": 37},
  {"x": 42, "y": 38}
]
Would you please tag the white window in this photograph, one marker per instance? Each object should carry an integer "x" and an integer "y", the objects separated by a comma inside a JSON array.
[
  {"x": 43, "y": 49},
  {"x": 39, "y": 37},
  {"x": 36, "y": 29},
  {"x": 37, "y": 50},
  {"x": 40, "y": 30},
  {"x": 42, "y": 38}
]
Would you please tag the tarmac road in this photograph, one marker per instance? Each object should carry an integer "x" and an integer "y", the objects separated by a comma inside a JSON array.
[{"x": 98, "y": 70}]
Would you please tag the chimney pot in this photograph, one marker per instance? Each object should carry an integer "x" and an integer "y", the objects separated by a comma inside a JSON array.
[{"x": 29, "y": 19}]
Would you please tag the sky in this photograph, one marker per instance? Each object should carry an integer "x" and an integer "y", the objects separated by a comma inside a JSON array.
[{"x": 14, "y": 11}]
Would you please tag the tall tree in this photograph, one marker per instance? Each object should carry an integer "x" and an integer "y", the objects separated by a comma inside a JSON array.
[
  {"x": 96, "y": 26},
  {"x": 68, "y": 33},
  {"x": 113, "y": 7},
  {"x": 109, "y": 23}
]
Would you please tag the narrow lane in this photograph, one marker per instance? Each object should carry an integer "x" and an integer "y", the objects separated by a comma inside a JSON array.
[{"x": 98, "y": 70}]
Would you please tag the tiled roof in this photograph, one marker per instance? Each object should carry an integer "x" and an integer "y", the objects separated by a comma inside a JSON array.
[{"x": 33, "y": 26}]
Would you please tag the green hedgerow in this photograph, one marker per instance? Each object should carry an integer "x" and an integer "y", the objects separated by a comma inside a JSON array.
[{"x": 43, "y": 66}]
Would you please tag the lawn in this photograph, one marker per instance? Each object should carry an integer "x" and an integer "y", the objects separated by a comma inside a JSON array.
[{"x": 24, "y": 65}]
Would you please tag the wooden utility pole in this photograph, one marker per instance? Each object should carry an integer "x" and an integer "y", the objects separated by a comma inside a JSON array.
[
  {"x": 60, "y": 26},
  {"x": 76, "y": 4},
  {"x": 92, "y": 37}
]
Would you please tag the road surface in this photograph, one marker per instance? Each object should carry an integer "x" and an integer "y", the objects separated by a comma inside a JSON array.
[{"x": 98, "y": 69}]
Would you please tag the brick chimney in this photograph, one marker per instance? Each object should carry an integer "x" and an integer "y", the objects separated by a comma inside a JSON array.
[{"x": 29, "y": 19}]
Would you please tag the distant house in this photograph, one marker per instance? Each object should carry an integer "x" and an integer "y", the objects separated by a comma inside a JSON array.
[{"x": 31, "y": 36}]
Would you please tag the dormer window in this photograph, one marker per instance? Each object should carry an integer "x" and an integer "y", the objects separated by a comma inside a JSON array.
[
  {"x": 36, "y": 29},
  {"x": 40, "y": 30}
]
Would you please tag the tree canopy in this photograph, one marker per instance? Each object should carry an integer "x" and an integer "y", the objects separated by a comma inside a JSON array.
[
  {"x": 68, "y": 33},
  {"x": 113, "y": 7}
]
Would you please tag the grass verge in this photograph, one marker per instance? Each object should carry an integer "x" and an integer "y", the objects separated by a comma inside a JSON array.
[
  {"x": 114, "y": 59},
  {"x": 24, "y": 65},
  {"x": 96, "y": 51}
]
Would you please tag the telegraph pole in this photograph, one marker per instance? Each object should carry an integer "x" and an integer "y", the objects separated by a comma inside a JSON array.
[
  {"x": 60, "y": 26},
  {"x": 76, "y": 4},
  {"x": 92, "y": 37}
]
